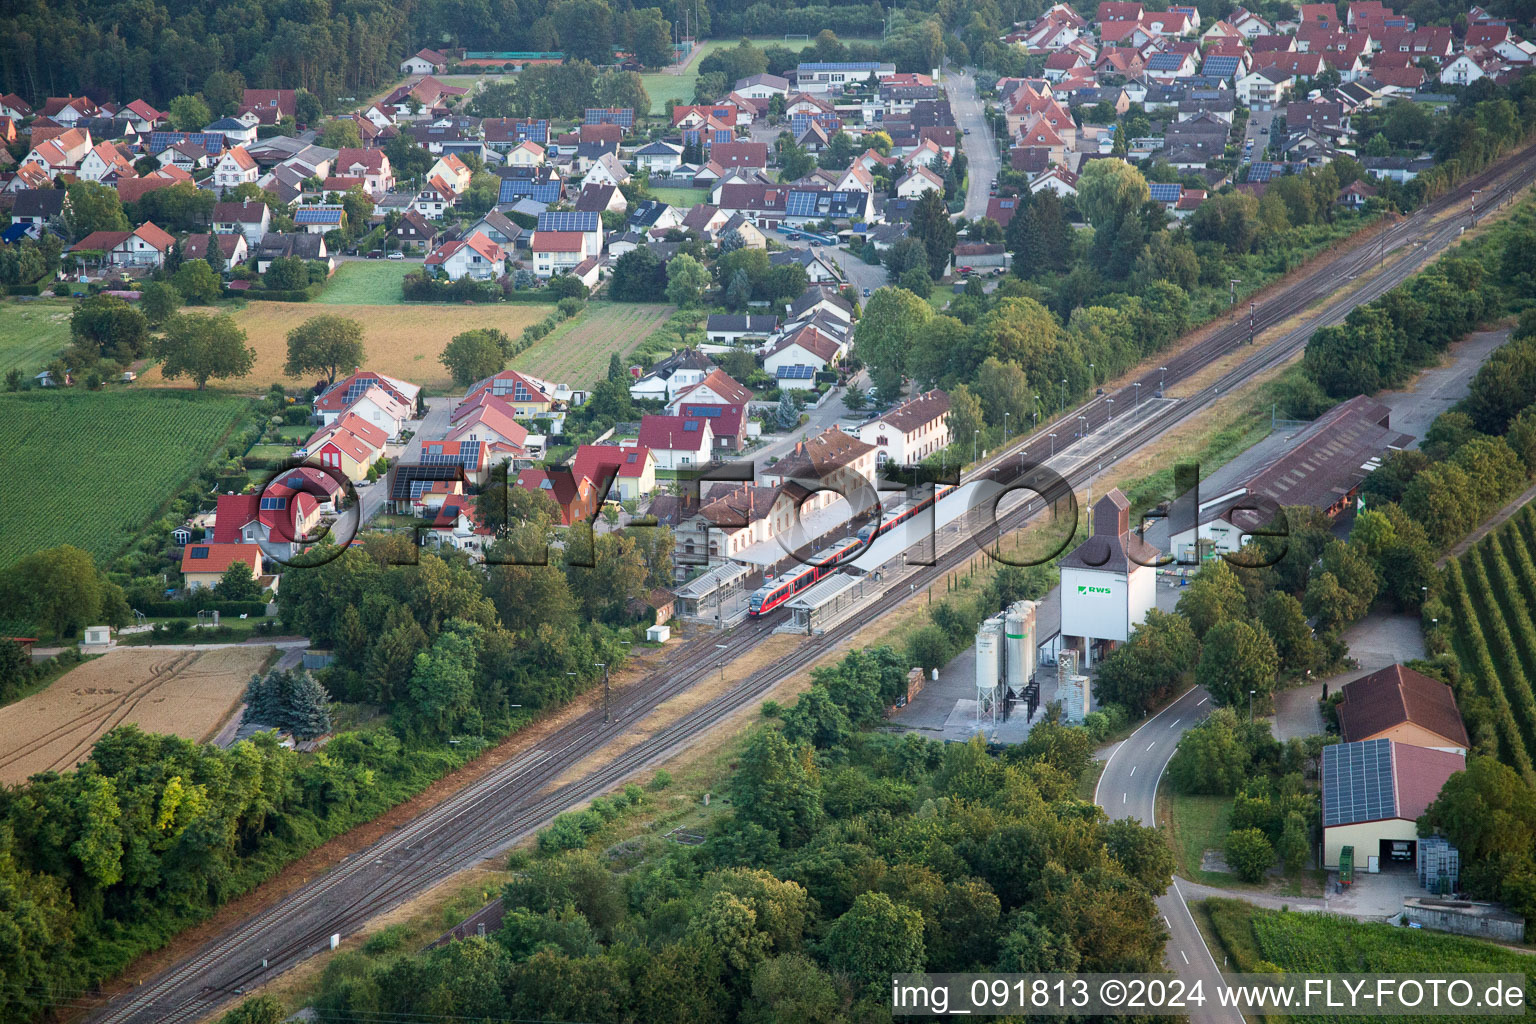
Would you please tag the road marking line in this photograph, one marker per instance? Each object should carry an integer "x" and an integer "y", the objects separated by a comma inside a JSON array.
[
  {"x": 1133, "y": 771},
  {"x": 1152, "y": 744},
  {"x": 1166, "y": 921},
  {"x": 1202, "y": 701},
  {"x": 1122, "y": 798},
  {"x": 1184, "y": 955}
]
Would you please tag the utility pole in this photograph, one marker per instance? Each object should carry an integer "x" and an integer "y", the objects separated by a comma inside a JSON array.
[
  {"x": 1233, "y": 283},
  {"x": 1251, "y": 310},
  {"x": 607, "y": 717}
]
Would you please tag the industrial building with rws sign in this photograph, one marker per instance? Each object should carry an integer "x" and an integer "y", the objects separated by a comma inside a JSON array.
[{"x": 1108, "y": 582}]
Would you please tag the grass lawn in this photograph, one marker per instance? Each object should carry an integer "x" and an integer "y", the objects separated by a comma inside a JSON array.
[
  {"x": 101, "y": 464},
  {"x": 1196, "y": 824},
  {"x": 32, "y": 333},
  {"x": 403, "y": 340},
  {"x": 368, "y": 283},
  {"x": 668, "y": 90},
  {"x": 577, "y": 352},
  {"x": 681, "y": 197}
]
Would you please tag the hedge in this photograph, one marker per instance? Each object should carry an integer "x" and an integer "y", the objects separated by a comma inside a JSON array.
[
  {"x": 185, "y": 609},
  {"x": 279, "y": 295},
  {"x": 22, "y": 289}
]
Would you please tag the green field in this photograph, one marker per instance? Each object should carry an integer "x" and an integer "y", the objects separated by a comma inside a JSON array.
[
  {"x": 577, "y": 352},
  {"x": 681, "y": 197},
  {"x": 368, "y": 283},
  {"x": 667, "y": 90},
  {"x": 32, "y": 333},
  {"x": 1491, "y": 593},
  {"x": 92, "y": 468},
  {"x": 1326, "y": 944}
]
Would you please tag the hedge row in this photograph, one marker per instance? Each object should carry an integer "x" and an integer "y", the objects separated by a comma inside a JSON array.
[
  {"x": 279, "y": 295},
  {"x": 183, "y": 609}
]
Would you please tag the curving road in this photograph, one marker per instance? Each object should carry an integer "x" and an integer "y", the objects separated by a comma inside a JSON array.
[
  {"x": 980, "y": 151},
  {"x": 1128, "y": 789}
]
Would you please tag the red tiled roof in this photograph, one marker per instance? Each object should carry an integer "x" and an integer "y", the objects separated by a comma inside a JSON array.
[
  {"x": 1397, "y": 695},
  {"x": 556, "y": 241},
  {"x": 234, "y": 512},
  {"x": 674, "y": 433},
  {"x": 215, "y": 558},
  {"x": 596, "y": 461}
]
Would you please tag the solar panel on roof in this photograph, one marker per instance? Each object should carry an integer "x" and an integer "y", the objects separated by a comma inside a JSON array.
[
  {"x": 1166, "y": 62},
  {"x": 569, "y": 220},
  {"x": 1261, "y": 172},
  {"x": 796, "y": 372},
  {"x": 199, "y": 552},
  {"x": 513, "y": 189},
  {"x": 317, "y": 217},
  {"x": 1163, "y": 193},
  {"x": 800, "y": 204},
  {"x": 1357, "y": 782},
  {"x": 1219, "y": 67}
]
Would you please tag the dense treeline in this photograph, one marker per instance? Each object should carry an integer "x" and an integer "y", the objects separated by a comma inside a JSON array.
[{"x": 846, "y": 855}]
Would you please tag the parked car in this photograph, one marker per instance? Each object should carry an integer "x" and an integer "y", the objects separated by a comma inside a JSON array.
[
  {"x": 967, "y": 131},
  {"x": 397, "y": 255},
  {"x": 866, "y": 293},
  {"x": 965, "y": 271}
]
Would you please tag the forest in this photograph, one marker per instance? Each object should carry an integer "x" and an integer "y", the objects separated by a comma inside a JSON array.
[{"x": 847, "y": 853}]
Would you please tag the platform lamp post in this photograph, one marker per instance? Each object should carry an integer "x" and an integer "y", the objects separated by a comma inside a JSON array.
[
  {"x": 721, "y": 664},
  {"x": 1005, "y": 428},
  {"x": 1111, "y": 402},
  {"x": 1137, "y": 404},
  {"x": 1250, "y": 705},
  {"x": 1163, "y": 381},
  {"x": 975, "y": 437},
  {"x": 1053, "y": 445},
  {"x": 1063, "y": 395}
]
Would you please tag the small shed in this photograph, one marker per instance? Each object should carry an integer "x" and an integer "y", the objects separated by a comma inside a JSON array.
[
  {"x": 98, "y": 636},
  {"x": 658, "y": 634}
]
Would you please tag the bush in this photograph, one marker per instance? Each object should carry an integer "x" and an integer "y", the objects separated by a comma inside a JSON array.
[
  {"x": 1249, "y": 853},
  {"x": 569, "y": 307}
]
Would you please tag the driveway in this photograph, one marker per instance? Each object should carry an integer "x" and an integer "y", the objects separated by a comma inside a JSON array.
[
  {"x": 1258, "y": 122},
  {"x": 828, "y": 414},
  {"x": 980, "y": 149}
]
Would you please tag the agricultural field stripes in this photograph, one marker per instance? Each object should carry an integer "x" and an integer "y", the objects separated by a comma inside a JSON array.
[
  {"x": 1490, "y": 589},
  {"x": 577, "y": 354},
  {"x": 92, "y": 468}
]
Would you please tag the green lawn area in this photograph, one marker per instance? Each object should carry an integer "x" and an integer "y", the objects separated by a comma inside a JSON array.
[
  {"x": 668, "y": 90},
  {"x": 682, "y": 197},
  {"x": 32, "y": 333},
  {"x": 368, "y": 283},
  {"x": 92, "y": 468},
  {"x": 1196, "y": 824}
]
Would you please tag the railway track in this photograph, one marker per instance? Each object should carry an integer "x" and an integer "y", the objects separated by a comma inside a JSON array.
[{"x": 488, "y": 816}]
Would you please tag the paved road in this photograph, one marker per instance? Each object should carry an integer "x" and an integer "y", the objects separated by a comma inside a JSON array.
[
  {"x": 980, "y": 151},
  {"x": 1128, "y": 789}
]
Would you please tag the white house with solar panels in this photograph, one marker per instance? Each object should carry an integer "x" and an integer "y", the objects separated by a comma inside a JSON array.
[
  {"x": 1373, "y": 794},
  {"x": 831, "y": 76},
  {"x": 588, "y": 223}
]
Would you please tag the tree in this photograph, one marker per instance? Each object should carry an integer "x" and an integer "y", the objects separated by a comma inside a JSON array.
[
  {"x": 652, "y": 40},
  {"x": 1237, "y": 658},
  {"x": 885, "y": 333},
  {"x": 624, "y": 89},
  {"x": 1249, "y": 853},
  {"x": 309, "y": 708},
  {"x": 407, "y": 159},
  {"x": 259, "y": 1010},
  {"x": 1143, "y": 852},
  {"x": 791, "y": 989},
  {"x": 90, "y": 206},
  {"x": 324, "y": 344},
  {"x": 238, "y": 584},
  {"x": 1215, "y": 596},
  {"x": 198, "y": 283},
  {"x": 775, "y": 786},
  {"x": 203, "y": 348},
  {"x": 109, "y": 326},
  {"x": 965, "y": 416},
  {"x": 931, "y": 225},
  {"x": 1108, "y": 191},
  {"x": 739, "y": 292},
  {"x": 62, "y": 590},
  {"x": 287, "y": 274},
  {"x": 1286, "y": 623},
  {"x": 475, "y": 355},
  {"x": 905, "y": 254},
  {"x": 1150, "y": 665},
  {"x": 341, "y": 133},
  {"x": 788, "y": 413},
  {"x": 874, "y": 939},
  {"x": 917, "y": 281},
  {"x": 586, "y": 30},
  {"x": 1293, "y": 846},
  {"x": 687, "y": 280},
  {"x": 189, "y": 113},
  {"x": 638, "y": 276},
  {"x": 1342, "y": 587}
]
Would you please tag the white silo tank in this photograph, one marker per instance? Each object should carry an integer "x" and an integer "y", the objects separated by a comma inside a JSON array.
[
  {"x": 989, "y": 651},
  {"x": 1019, "y": 634}
]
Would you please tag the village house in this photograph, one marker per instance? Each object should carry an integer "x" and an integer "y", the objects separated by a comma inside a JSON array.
[
  {"x": 232, "y": 248},
  {"x": 529, "y": 397},
  {"x": 251, "y": 219},
  {"x": 910, "y": 432},
  {"x": 833, "y": 465},
  {"x": 475, "y": 257},
  {"x": 203, "y": 565},
  {"x": 677, "y": 442},
  {"x": 348, "y": 445},
  {"x": 629, "y": 471},
  {"x": 144, "y": 246},
  {"x": 235, "y": 167}
]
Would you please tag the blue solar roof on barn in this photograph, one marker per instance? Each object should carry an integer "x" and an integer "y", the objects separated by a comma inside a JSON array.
[
  {"x": 1219, "y": 67},
  {"x": 1165, "y": 193},
  {"x": 569, "y": 220},
  {"x": 1357, "y": 782}
]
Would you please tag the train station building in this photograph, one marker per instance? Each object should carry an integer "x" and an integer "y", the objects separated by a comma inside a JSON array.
[{"x": 1108, "y": 582}]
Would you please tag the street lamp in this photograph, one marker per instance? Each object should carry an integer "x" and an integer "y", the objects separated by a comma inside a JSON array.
[
  {"x": 1005, "y": 428},
  {"x": 1111, "y": 402},
  {"x": 1137, "y": 404},
  {"x": 1082, "y": 425},
  {"x": 1250, "y": 705},
  {"x": 975, "y": 437},
  {"x": 1063, "y": 394},
  {"x": 1053, "y": 445},
  {"x": 1163, "y": 381}
]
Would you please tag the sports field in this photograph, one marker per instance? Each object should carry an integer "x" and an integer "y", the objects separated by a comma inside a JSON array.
[
  {"x": 577, "y": 353},
  {"x": 188, "y": 693},
  {"x": 403, "y": 341},
  {"x": 370, "y": 283},
  {"x": 91, "y": 468},
  {"x": 32, "y": 333}
]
